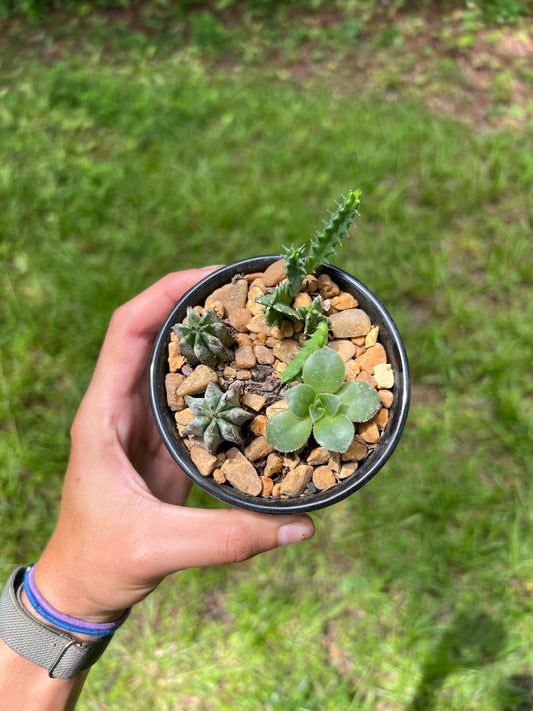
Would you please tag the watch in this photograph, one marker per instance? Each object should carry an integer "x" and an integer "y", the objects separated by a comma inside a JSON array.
[{"x": 61, "y": 654}]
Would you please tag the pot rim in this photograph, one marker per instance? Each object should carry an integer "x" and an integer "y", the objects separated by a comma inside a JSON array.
[{"x": 389, "y": 337}]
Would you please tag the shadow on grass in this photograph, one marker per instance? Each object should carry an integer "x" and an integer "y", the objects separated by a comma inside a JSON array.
[
  {"x": 472, "y": 640},
  {"x": 516, "y": 693}
]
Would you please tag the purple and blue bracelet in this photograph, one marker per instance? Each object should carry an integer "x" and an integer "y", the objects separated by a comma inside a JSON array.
[{"x": 64, "y": 622}]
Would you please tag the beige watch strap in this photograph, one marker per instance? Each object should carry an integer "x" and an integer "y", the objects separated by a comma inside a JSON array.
[{"x": 62, "y": 655}]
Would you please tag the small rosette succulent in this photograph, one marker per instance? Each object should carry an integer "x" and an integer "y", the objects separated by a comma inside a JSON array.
[
  {"x": 323, "y": 406},
  {"x": 204, "y": 339},
  {"x": 218, "y": 417}
]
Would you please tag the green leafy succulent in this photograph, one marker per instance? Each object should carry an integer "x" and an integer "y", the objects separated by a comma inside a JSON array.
[
  {"x": 204, "y": 339},
  {"x": 323, "y": 406},
  {"x": 318, "y": 340},
  {"x": 218, "y": 417}
]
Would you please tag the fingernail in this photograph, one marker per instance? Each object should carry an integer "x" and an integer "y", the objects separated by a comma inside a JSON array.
[{"x": 295, "y": 532}]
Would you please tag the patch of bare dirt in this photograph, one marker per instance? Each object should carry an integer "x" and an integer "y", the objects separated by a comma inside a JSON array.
[{"x": 483, "y": 77}]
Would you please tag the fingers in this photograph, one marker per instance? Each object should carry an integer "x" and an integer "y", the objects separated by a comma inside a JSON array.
[
  {"x": 134, "y": 325},
  {"x": 165, "y": 480},
  {"x": 197, "y": 537},
  {"x": 142, "y": 315}
]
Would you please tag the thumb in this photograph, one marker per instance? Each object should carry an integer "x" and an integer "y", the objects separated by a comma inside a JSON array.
[{"x": 198, "y": 537}]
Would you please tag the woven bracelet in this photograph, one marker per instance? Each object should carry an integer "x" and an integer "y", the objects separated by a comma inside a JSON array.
[{"x": 64, "y": 622}]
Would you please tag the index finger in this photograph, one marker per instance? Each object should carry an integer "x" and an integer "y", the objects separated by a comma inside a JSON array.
[{"x": 135, "y": 324}]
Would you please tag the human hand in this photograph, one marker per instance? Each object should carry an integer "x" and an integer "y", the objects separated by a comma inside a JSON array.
[{"x": 122, "y": 525}]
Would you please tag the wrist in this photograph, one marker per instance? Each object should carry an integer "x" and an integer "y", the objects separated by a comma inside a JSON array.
[
  {"x": 86, "y": 625},
  {"x": 34, "y": 613},
  {"x": 70, "y": 593},
  {"x": 32, "y": 599},
  {"x": 60, "y": 654}
]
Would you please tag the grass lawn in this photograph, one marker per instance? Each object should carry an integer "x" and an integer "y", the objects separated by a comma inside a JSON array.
[{"x": 127, "y": 152}]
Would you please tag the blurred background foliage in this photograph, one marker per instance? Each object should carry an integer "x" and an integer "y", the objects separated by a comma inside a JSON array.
[
  {"x": 494, "y": 10},
  {"x": 138, "y": 138}
]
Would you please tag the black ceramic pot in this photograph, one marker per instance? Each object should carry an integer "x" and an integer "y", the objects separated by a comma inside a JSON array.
[{"x": 396, "y": 356}]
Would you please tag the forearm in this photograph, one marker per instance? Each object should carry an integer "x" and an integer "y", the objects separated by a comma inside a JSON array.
[
  {"x": 24, "y": 685},
  {"x": 42, "y": 666}
]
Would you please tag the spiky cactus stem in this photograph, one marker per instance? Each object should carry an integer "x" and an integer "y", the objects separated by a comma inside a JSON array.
[
  {"x": 278, "y": 304},
  {"x": 329, "y": 239}
]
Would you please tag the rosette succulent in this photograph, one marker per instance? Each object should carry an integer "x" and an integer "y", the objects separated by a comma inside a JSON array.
[
  {"x": 204, "y": 339},
  {"x": 323, "y": 406},
  {"x": 218, "y": 417}
]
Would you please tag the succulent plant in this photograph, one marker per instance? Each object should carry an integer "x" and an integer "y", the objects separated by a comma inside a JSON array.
[
  {"x": 297, "y": 266},
  {"x": 204, "y": 339},
  {"x": 318, "y": 340},
  {"x": 326, "y": 242},
  {"x": 323, "y": 406},
  {"x": 217, "y": 417}
]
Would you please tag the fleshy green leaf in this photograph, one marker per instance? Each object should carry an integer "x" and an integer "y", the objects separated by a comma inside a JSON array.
[
  {"x": 212, "y": 437},
  {"x": 181, "y": 330},
  {"x": 193, "y": 319},
  {"x": 230, "y": 432},
  {"x": 286, "y": 432},
  {"x": 209, "y": 317},
  {"x": 186, "y": 346},
  {"x": 316, "y": 341},
  {"x": 335, "y": 433},
  {"x": 197, "y": 405},
  {"x": 330, "y": 402},
  {"x": 196, "y": 427},
  {"x": 264, "y": 299},
  {"x": 202, "y": 352},
  {"x": 275, "y": 307},
  {"x": 324, "y": 371},
  {"x": 317, "y": 410},
  {"x": 287, "y": 311},
  {"x": 360, "y": 401},
  {"x": 217, "y": 348},
  {"x": 237, "y": 416},
  {"x": 312, "y": 316},
  {"x": 212, "y": 396},
  {"x": 299, "y": 398},
  {"x": 222, "y": 333},
  {"x": 229, "y": 399},
  {"x": 278, "y": 305}
]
